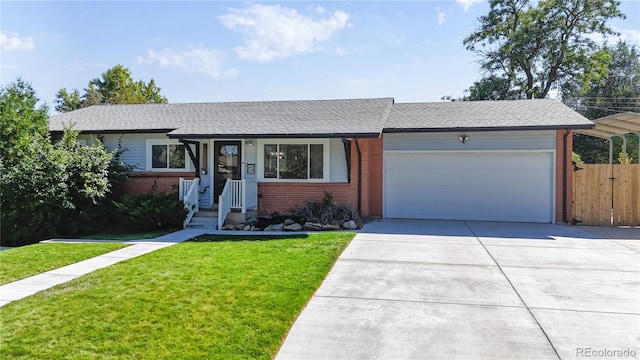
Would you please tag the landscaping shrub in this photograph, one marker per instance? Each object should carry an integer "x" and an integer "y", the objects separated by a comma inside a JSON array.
[
  {"x": 152, "y": 211},
  {"x": 327, "y": 212}
]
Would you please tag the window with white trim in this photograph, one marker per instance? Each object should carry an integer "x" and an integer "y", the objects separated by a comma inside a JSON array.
[
  {"x": 166, "y": 155},
  {"x": 294, "y": 160}
]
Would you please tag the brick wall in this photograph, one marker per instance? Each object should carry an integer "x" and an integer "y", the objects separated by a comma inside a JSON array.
[
  {"x": 559, "y": 175},
  {"x": 282, "y": 197},
  {"x": 141, "y": 182}
]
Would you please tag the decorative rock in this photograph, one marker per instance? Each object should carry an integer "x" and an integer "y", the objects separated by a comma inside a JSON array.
[
  {"x": 274, "y": 227},
  {"x": 239, "y": 227},
  {"x": 330, "y": 227},
  {"x": 350, "y": 225},
  {"x": 246, "y": 228},
  {"x": 229, "y": 227},
  {"x": 251, "y": 221},
  {"x": 293, "y": 227},
  {"x": 312, "y": 226},
  {"x": 288, "y": 222},
  {"x": 253, "y": 228}
]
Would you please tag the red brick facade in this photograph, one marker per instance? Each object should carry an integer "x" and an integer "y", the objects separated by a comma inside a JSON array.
[
  {"x": 142, "y": 182},
  {"x": 283, "y": 197},
  {"x": 560, "y": 136}
]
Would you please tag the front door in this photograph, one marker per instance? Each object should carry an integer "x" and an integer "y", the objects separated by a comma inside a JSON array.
[{"x": 228, "y": 165}]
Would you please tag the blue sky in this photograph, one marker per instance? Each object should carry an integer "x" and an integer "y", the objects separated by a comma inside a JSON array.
[{"x": 243, "y": 51}]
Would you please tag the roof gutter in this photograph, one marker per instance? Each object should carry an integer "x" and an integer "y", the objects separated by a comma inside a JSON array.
[
  {"x": 272, "y": 136},
  {"x": 134, "y": 131},
  {"x": 487, "y": 128}
]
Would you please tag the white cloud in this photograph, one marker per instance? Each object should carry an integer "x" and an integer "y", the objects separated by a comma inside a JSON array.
[
  {"x": 630, "y": 36},
  {"x": 468, "y": 3},
  {"x": 12, "y": 41},
  {"x": 230, "y": 73},
  {"x": 276, "y": 32},
  {"x": 442, "y": 17},
  {"x": 195, "y": 59},
  {"x": 84, "y": 65}
]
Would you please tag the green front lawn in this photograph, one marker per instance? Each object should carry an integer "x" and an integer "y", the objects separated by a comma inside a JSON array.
[
  {"x": 26, "y": 261},
  {"x": 195, "y": 300}
]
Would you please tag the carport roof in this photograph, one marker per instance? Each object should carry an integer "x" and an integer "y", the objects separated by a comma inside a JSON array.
[
  {"x": 484, "y": 115},
  {"x": 614, "y": 125}
]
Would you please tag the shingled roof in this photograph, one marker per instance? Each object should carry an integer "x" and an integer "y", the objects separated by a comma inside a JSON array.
[
  {"x": 306, "y": 118},
  {"x": 484, "y": 115},
  {"x": 319, "y": 118}
]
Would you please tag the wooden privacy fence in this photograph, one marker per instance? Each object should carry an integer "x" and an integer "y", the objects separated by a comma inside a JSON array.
[{"x": 594, "y": 187}]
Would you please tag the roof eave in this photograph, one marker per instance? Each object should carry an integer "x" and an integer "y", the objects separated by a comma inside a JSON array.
[
  {"x": 120, "y": 131},
  {"x": 488, "y": 128},
  {"x": 272, "y": 136}
]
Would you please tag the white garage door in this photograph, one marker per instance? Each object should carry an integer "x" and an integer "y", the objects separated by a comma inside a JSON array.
[{"x": 469, "y": 186}]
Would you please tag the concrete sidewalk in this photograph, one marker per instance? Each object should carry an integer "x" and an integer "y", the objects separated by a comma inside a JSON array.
[{"x": 25, "y": 287}]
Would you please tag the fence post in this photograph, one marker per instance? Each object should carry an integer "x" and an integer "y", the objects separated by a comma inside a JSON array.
[{"x": 180, "y": 188}]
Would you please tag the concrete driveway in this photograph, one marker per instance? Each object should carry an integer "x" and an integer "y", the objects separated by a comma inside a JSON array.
[{"x": 412, "y": 289}]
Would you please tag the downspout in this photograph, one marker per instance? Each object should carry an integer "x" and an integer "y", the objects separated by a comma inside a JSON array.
[
  {"x": 564, "y": 176},
  {"x": 359, "y": 175}
]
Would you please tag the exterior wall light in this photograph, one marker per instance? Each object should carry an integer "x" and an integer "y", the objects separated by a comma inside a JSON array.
[
  {"x": 249, "y": 142},
  {"x": 463, "y": 138}
]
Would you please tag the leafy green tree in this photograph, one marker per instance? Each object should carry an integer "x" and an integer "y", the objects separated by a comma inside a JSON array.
[
  {"x": 618, "y": 92},
  {"x": 68, "y": 101},
  {"x": 54, "y": 191},
  {"x": 491, "y": 87},
  {"x": 536, "y": 45},
  {"x": 22, "y": 121},
  {"x": 45, "y": 189},
  {"x": 115, "y": 86}
]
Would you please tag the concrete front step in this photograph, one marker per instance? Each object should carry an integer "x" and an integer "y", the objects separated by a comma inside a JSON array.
[
  {"x": 203, "y": 222},
  {"x": 202, "y": 227},
  {"x": 206, "y": 213}
]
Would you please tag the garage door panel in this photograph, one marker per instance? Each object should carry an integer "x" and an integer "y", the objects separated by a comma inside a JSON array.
[{"x": 469, "y": 186}]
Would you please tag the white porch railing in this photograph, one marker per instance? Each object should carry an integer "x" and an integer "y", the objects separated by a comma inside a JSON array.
[
  {"x": 184, "y": 187},
  {"x": 237, "y": 194},
  {"x": 224, "y": 203},
  {"x": 190, "y": 199}
]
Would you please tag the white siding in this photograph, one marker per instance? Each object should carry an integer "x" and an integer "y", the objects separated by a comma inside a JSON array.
[
  {"x": 250, "y": 157},
  {"x": 482, "y": 140},
  {"x": 338, "y": 162},
  {"x": 134, "y": 144}
]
